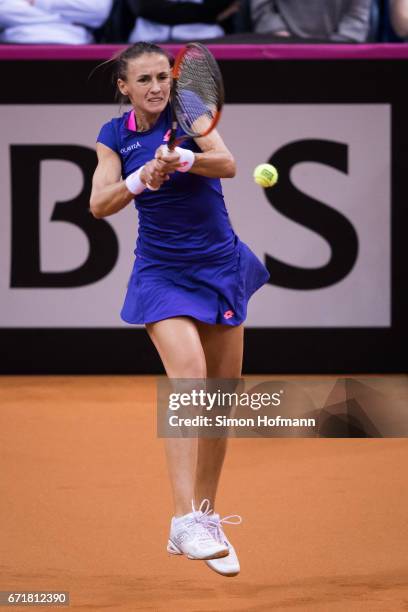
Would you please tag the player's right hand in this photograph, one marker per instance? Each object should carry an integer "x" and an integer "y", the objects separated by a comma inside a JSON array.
[{"x": 153, "y": 174}]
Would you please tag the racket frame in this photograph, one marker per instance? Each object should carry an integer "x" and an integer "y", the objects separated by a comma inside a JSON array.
[{"x": 173, "y": 141}]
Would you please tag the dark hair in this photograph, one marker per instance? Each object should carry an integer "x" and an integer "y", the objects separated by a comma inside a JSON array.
[{"x": 120, "y": 63}]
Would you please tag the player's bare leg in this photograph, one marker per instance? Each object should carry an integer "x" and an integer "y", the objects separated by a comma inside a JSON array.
[
  {"x": 223, "y": 348},
  {"x": 179, "y": 346}
]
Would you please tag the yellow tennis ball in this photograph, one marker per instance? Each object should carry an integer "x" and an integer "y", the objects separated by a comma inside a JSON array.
[{"x": 265, "y": 175}]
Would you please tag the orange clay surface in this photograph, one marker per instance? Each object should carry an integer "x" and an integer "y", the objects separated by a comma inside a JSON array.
[{"x": 85, "y": 506}]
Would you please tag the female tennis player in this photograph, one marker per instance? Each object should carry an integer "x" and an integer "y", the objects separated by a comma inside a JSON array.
[{"x": 192, "y": 277}]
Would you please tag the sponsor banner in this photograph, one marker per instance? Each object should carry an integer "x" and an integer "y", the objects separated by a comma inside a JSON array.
[{"x": 323, "y": 231}]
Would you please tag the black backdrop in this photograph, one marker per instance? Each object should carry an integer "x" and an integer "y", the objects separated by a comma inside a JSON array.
[{"x": 267, "y": 350}]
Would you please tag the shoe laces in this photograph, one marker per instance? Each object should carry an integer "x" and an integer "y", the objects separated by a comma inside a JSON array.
[
  {"x": 213, "y": 522},
  {"x": 197, "y": 531},
  {"x": 203, "y": 511},
  {"x": 196, "y": 527}
]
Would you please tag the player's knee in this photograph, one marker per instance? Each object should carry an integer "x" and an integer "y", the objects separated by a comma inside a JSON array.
[{"x": 192, "y": 366}]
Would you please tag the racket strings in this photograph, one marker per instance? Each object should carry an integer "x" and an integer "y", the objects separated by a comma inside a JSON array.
[{"x": 198, "y": 96}]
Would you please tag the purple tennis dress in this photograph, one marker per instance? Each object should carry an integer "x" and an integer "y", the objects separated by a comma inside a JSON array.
[{"x": 189, "y": 261}]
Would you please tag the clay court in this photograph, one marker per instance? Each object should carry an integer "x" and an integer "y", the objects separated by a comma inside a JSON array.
[{"x": 85, "y": 508}]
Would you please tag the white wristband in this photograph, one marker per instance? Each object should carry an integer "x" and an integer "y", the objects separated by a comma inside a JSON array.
[
  {"x": 134, "y": 182},
  {"x": 187, "y": 159}
]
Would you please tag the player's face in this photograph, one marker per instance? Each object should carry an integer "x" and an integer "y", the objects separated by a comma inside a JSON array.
[{"x": 148, "y": 83}]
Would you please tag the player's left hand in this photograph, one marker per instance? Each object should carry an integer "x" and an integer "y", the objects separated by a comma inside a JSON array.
[{"x": 153, "y": 174}]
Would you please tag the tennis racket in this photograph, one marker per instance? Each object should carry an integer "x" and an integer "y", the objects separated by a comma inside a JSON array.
[{"x": 197, "y": 94}]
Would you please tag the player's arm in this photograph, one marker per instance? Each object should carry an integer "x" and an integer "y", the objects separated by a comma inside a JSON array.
[
  {"x": 215, "y": 160},
  {"x": 109, "y": 192}
]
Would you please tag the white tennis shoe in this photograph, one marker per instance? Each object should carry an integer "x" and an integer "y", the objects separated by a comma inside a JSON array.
[
  {"x": 228, "y": 565},
  {"x": 190, "y": 537}
]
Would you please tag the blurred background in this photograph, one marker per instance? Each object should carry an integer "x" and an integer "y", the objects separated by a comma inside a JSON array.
[{"x": 121, "y": 21}]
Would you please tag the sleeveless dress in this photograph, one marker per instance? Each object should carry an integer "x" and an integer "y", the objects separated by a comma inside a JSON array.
[{"x": 189, "y": 261}]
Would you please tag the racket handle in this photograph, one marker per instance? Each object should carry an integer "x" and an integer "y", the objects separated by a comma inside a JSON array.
[
  {"x": 187, "y": 158},
  {"x": 171, "y": 145}
]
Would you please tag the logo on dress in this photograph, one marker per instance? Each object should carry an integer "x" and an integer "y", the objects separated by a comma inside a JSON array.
[
  {"x": 228, "y": 314},
  {"x": 131, "y": 147}
]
